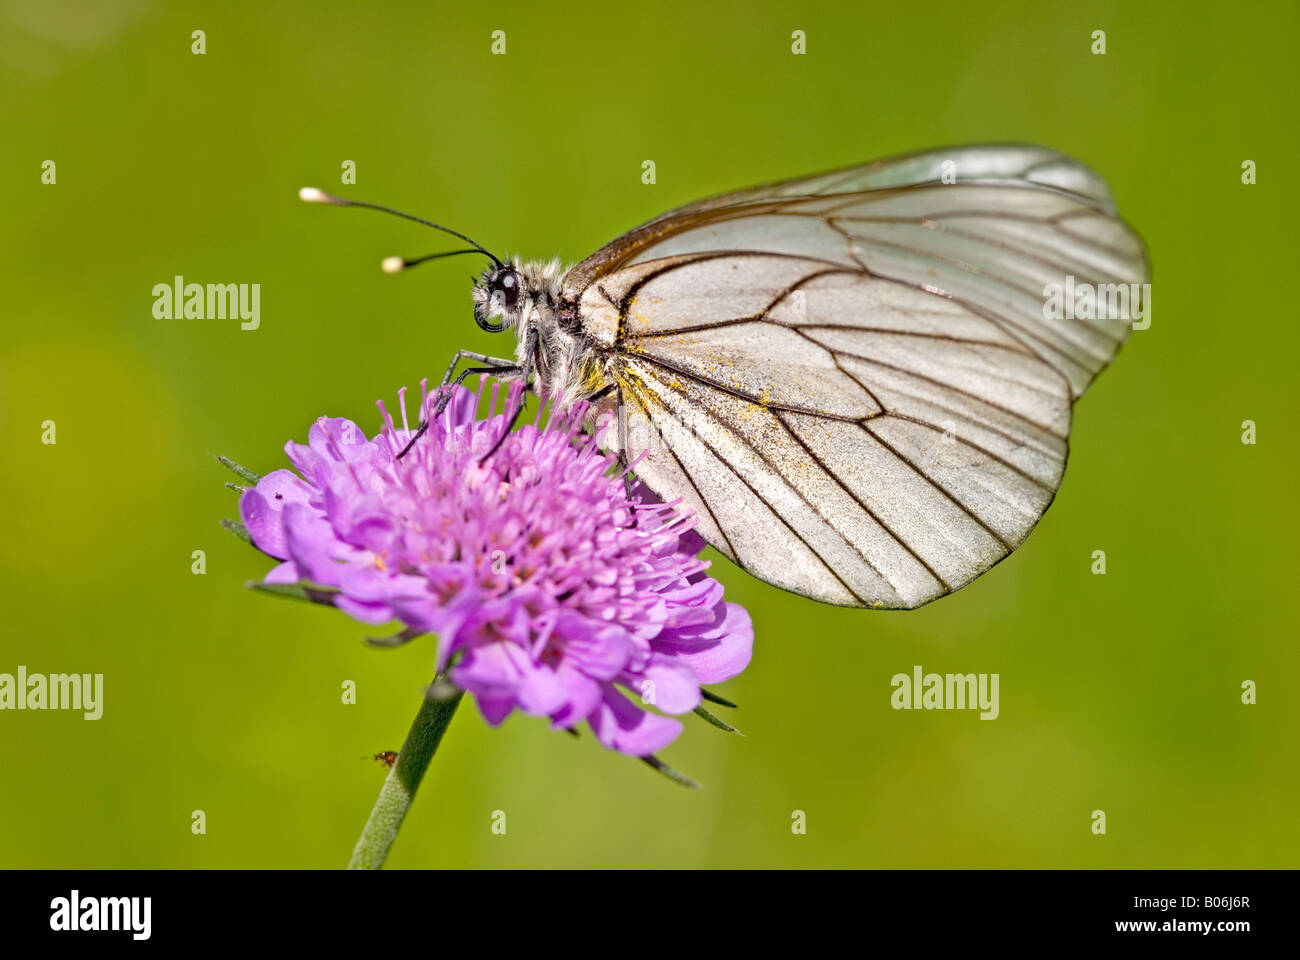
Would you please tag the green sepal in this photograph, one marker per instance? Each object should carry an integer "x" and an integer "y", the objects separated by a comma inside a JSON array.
[
  {"x": 716, "y": 721},
  {"x": 714, "y": 698},
  {"x": 296, "y": 591},
  {"x": 243, "y": 472},
  {"x": 396, "y": 640},
  {"x": 656, "y": 764}
]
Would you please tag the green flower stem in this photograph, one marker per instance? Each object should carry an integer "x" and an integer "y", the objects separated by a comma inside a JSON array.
[{"x": 398, "y": 791}]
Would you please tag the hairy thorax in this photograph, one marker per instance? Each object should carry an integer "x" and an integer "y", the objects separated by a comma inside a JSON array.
[{"x": 568, "y": 366}]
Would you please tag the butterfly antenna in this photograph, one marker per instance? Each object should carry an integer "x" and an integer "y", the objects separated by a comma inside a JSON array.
[
  {"x": 313, "y": 195},
  {"x": 398, "y": 264}
]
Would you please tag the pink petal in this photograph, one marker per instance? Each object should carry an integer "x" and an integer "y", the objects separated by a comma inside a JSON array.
[{"x": 619, "y": 725}]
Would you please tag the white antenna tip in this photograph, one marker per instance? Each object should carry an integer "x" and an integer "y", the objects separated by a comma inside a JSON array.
[
  {"x": 313, "y": 195},
  {"x": 392, "y": 265}
]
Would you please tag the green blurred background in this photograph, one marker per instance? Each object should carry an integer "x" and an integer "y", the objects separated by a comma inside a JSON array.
[{"x": 1118, "y": 692}]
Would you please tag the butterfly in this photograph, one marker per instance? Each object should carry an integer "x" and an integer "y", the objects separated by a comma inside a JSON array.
[{"x": 856, "y": 381}]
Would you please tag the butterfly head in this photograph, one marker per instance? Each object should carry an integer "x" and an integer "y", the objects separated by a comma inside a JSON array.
[
  {"x": 511, "y": 294},
  {"x": 499, "y": 297}
]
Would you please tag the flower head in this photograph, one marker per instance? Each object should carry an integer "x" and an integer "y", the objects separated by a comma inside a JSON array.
[{"x": 551, "y": 587}]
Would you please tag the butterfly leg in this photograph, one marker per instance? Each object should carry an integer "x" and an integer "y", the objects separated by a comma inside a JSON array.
[
  {"x": 492, "y": 362},
  {"x": 496, "y": 366},
  {"x": 525, "y": 372},
  {"x": 622, "y": 445},
  {"x": 620, "y": 412}
]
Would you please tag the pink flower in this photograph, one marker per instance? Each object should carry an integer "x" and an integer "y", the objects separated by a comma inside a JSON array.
[{"x": 552, "y": 590}]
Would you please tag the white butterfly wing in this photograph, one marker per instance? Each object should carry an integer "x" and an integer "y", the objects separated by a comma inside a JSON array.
[{"x": 850, "y": 378}]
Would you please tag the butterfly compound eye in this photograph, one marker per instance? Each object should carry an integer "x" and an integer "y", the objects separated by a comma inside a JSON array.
[{"x": 508, "y": 285}]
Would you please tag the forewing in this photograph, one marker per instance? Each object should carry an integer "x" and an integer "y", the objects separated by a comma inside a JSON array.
[
  {"x": 857, "y": 390},
  {"x": 881, "y": 466}
]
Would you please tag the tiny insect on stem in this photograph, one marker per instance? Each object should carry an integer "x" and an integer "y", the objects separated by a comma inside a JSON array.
[{"x": 386, "y": 757}]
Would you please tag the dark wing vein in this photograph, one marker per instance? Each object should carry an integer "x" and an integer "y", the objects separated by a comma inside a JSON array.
[
  {"x": 865, "y": 509},
  {"x": 920, "y": 376},
  {"x": 733, "y": 392},
  {"x": 799, "y": 493},
  {"x": 645, "y": 411},
  {"x": 887, "y": 412},
  {"x": 933, "y": 482}
]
